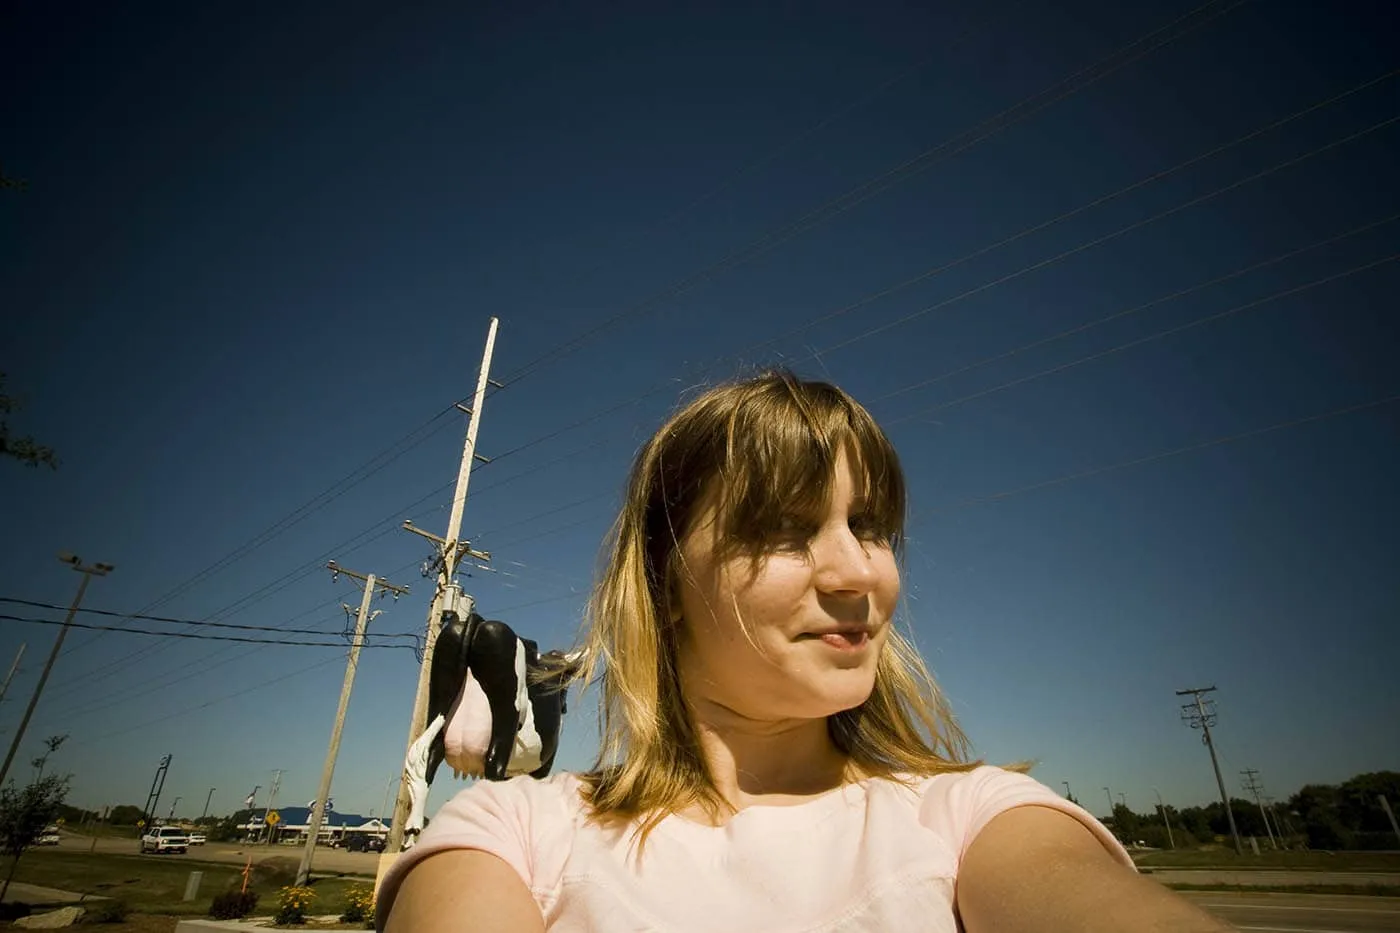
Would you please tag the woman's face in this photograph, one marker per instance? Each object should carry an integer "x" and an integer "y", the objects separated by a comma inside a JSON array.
[{"x": 818, "y": 607}]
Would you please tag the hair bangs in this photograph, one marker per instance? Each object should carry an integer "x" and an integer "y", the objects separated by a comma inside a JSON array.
[{"x": 781, "y": 451}]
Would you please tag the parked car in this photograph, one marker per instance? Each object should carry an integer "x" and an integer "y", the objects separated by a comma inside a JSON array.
[
  {"x": 363, "y": 842},
  {"x": 197, "y": 839},
  {"x": 48, "y": 839},
  {"x": 164, "y": 839}
]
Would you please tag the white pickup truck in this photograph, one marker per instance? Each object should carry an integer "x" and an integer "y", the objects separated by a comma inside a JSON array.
[{"x": 164, "y": 839}]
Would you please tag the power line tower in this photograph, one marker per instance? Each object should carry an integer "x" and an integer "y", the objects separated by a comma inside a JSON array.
[
  {"x": 88, "y": 571},
  {"x": 1251, "y": 783},
  {"x": 1200, "y": 714},
  {"x": 447, "y": 595},
  {"x": 372, "y": 584}
]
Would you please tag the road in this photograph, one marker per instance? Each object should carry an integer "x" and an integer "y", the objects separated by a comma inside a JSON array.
[
  {"x": 1302, "y": 913},
  {"x": 1264, "y": 877},
  {"x": 326, "y": 860}
]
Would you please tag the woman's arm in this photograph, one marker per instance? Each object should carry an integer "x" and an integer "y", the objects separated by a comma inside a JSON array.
[
  {"x": 463, "y": 891},
  {"x": 1037, "y": 869}
]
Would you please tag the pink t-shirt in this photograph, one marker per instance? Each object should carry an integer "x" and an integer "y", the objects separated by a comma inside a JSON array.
[{"x": 871, "y": 856}]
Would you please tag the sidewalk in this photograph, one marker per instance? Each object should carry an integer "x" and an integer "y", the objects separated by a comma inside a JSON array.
[{"x": 36, "y": 896}]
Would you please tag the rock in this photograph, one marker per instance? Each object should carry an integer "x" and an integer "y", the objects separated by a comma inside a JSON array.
[{"x": 53, "y": 920}]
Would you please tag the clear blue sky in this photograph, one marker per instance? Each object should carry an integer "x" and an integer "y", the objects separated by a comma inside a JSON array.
[{"x": 259, "y": 246}]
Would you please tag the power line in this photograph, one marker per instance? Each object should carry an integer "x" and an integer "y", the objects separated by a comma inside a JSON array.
[
  {"x": 1098, "y": 241},
  {"x": 1161, "y": 455},
  {"x": 299, "y": 672},
  {"x": 1066, "y": 215},
  {"x": 198, "y": 636},
  {"x": 305, "y": 570},
  {"x": 205, "y": 623},
  {"x": 669, "y": 384},
  {"x": 1017, "y": 113},
  {"x": 1135, "y": 309},
  {"x": 1197, "y": 322},
  {"x": 337, "y": 489}
]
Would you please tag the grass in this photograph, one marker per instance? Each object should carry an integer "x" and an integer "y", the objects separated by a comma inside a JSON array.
[
  {"x": 155, "y": 884},
  {"x": 1367, "y": 890},
  {"x": 1226, "y": 858}
]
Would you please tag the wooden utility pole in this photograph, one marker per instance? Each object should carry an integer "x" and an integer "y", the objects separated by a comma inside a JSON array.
[
  {"x": 445, "y": 596},
  {"x": 88, "y": 571},
  {"x": 318, "y": 812},
  {"x": 1197, "y": 716}
]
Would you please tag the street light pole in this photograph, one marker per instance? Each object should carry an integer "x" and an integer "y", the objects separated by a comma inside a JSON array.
[
  {"x": 88, "y": 572},
  {"x": 206, "y": 804}
]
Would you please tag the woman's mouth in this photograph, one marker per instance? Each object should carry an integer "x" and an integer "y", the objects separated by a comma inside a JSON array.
[{"x": 851, "y": 640}]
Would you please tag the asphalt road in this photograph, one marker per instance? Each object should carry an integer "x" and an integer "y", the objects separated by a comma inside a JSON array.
[
  {"x": 326, "y": 860},
  {"x": 1302, "y": 913}
]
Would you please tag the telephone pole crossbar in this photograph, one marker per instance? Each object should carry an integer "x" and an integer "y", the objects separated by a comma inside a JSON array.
[
  {"x": 447, "y": 594},
  {"x": 372, "y": 584},
  {"x": 1200, "y": 714}
]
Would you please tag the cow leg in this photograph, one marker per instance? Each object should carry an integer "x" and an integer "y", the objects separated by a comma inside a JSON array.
[
  {"x": 493, "y": 651},
  {"x": 415, "y": 768}
]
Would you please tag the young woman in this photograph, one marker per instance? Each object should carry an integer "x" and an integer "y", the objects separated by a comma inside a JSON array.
[{"x": 775, "y": 755}]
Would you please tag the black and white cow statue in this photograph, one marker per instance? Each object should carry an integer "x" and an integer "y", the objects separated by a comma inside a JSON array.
[{"x": 490, "y": 715}]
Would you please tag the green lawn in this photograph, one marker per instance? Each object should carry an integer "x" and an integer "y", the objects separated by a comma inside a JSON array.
[
  {"x": 1314, "y": 861},
  {"x": 155, "y": 884},
  {"x": 1366, "y": 890}
]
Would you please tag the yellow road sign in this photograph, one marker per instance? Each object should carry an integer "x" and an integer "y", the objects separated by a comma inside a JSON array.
[{"x": 272, "y": 818}]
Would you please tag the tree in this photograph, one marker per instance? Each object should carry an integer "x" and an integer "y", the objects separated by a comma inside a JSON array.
[
  {"x": 24, "y": 449},
  {"x": 25, "y": 813},
  {"x": 125, "y": 815}
]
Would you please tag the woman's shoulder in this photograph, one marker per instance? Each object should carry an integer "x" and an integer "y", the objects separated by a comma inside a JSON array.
[
  {"x": 556, "y": 795},
  {"x": 957, "y": 804}
]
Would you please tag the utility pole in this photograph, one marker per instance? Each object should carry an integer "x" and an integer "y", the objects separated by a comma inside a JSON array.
[
  {"x": 271, "y": 797},
  {"x": 88, "y": 571},
  {"x": 1197, "y": 716},
  {"x": 1251, "y": 784},
  {"x": 446, "y": 595},
  {"x": 148, "y": 812},
  {"x": 206, "y": 804},
  {"x": 362, "y": 619},
  {"x": 1109, "y": 794},
  {"x": 1163, "y": 810},
  {"x": 1069, "y": 794},
  {"x": 11, "y": 675},
  {"x": 175, "y": 803}
]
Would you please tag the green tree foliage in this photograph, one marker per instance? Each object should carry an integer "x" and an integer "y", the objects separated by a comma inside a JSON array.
[
  {"x": 23, "y": 449},
  {"x": 1349, "y": 815},
  {"x": 125, "y": 815},
  {"x": 24, "y": 814}
]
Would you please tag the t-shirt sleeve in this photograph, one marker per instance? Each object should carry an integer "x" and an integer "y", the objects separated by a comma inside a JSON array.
[
  {"x": 491, "y": 816},
  {"x": 959, "y": 806}
]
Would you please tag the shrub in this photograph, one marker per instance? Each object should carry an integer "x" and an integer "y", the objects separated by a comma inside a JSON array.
[
  {"x": 359, "y": 905},
  {"x": 233, "y": 905},
  {"x": 291, "y": 906},
  {"x": 105, "y": 911}
]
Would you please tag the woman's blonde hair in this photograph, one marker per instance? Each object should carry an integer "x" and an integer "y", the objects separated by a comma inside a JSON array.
[{"x": 760, "y": 450}]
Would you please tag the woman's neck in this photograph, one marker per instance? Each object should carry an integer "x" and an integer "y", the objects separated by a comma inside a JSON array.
[{"x": 778, "y": 762}]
